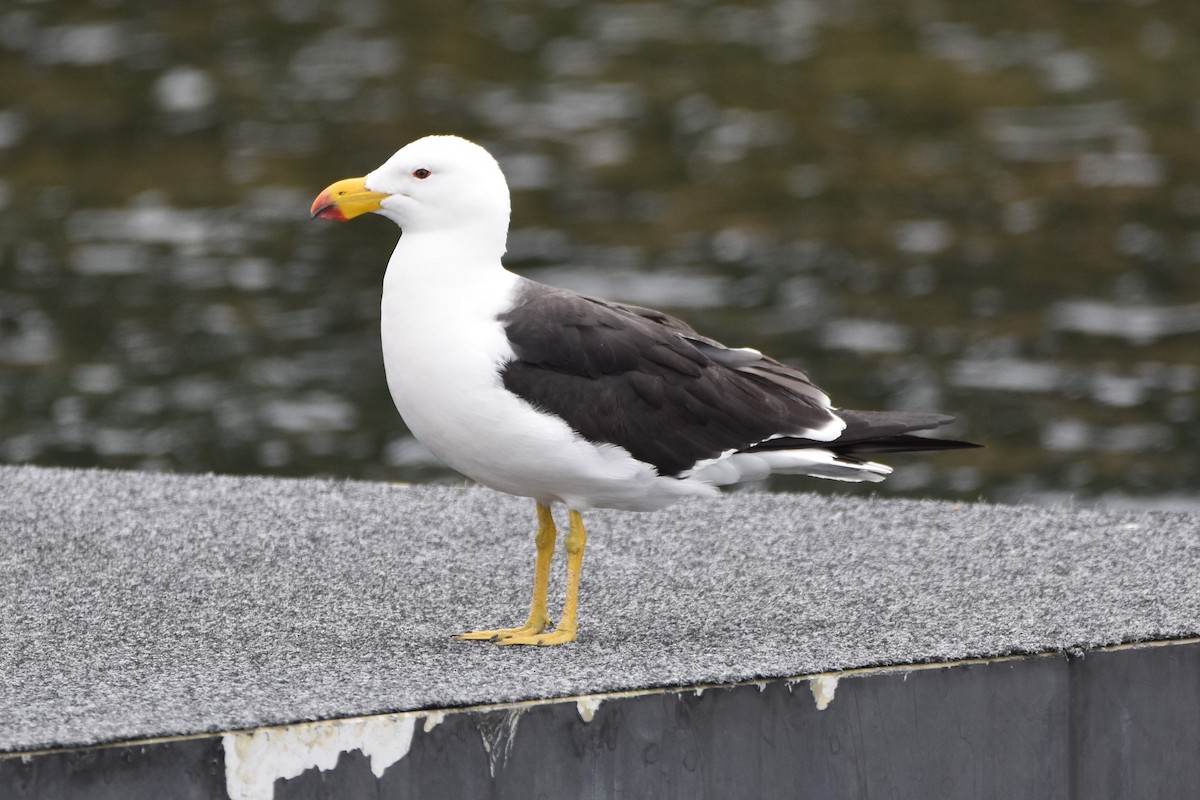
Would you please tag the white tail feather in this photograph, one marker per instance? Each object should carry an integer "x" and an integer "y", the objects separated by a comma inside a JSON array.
[{"x": 814, "y": 461}]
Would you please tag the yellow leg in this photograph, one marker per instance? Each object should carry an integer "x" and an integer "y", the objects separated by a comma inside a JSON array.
[
  {"x": 565, "y": 632},
  {"x": 538, "y": 619}
]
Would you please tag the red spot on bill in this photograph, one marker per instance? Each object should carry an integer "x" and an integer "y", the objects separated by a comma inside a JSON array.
[{"x": 323, "y": 208}]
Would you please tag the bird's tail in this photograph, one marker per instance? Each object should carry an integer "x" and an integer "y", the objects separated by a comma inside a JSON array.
[
  {"x": 865, "y": 432},
  {"x": 875, "y": 432}
]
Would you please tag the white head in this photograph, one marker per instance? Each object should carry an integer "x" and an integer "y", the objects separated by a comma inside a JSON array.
[{"x": 438, "y": 184}]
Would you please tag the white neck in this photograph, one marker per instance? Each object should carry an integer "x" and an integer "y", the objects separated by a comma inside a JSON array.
[
  {"x": 441, "y": 258},
  {"x": 453, "y": 274}
]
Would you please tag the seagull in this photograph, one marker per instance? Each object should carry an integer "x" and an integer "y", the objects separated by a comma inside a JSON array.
[{"x": 567, "y": 399}]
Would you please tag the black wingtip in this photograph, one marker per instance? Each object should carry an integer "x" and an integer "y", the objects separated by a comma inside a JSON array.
[{"x": 902, "y": 443}]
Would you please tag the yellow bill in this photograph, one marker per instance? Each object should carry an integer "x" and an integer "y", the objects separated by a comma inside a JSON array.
[{"x": 346, "y": 200}]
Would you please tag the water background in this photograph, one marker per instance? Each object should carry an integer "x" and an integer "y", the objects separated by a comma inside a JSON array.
[{"x": 988, "y": 209}]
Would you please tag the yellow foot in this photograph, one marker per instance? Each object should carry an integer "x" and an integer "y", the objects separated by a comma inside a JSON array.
[
  {"x": 539, "y": 639},
  {"x": 528, "y": 629}
]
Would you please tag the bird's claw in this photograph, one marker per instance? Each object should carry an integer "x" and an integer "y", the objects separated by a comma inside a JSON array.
[
  {"x": 530, "y": 628},
  {"x": 538, "y": 639},
  {"x": 531, "y": 633}
]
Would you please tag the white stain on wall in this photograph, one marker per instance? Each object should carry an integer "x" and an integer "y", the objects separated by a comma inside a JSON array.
[{"x": 255, "y": 759}]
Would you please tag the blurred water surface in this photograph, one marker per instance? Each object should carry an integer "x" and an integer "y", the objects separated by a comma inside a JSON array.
[{"x": 987, "y": 209}]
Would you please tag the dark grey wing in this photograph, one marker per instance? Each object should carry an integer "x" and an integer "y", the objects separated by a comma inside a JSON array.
[
  {"x": 744, "y": 359},
  {"x": 865, "y": 431},
  {"x": 647, "y": 382}
]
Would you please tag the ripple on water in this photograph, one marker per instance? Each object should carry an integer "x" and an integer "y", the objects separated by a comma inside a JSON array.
[{"x": 1139, "y": 324}]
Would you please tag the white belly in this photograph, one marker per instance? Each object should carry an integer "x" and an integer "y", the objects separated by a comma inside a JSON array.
[{"x": 442, "y": 346}]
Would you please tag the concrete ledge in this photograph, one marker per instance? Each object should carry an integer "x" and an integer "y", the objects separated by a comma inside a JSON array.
[
  {"x": 1116, "y": 723},
  {"x": 148, "y": 607}
]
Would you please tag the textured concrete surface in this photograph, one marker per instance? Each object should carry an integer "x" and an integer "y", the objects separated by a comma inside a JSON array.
[{"x": 142, "y": 605}]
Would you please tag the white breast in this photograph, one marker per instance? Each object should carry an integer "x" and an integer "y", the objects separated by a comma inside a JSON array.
[{"x": 442, "y": 349}]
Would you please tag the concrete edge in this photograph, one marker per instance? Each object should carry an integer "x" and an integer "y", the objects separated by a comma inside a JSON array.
[{"x": 822, "y": 685}]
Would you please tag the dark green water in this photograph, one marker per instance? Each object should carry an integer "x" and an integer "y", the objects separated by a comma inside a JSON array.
[{"x": 989, "y": 209}]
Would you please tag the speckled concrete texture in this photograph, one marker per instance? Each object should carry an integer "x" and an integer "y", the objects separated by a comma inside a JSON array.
[{"x": 141, "y": 605}]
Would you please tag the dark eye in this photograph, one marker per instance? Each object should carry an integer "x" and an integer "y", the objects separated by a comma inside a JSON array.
[{"x": 421, "y": 173}]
